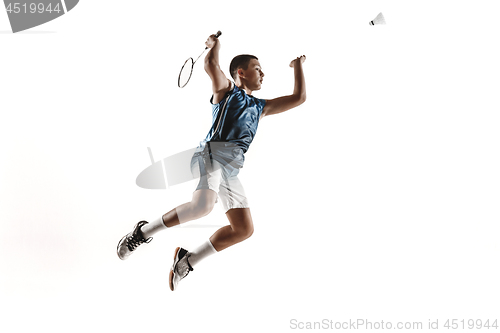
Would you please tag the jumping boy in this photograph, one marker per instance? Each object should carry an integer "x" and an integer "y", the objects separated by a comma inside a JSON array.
[{"x": 236, "y": 114}]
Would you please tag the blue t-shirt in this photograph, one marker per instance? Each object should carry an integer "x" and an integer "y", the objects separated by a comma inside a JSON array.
[
  {"x": 234, "y": 124},
  {"x": 235, "y": 118}
]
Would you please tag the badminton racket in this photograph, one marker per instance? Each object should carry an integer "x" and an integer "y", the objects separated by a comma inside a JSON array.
[{"x": 187, "y": 68}]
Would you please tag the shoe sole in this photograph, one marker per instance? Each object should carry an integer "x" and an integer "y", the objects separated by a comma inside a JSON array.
[
  {"x": 171, "y": 275},
  {"x": 118, "y": 248}
]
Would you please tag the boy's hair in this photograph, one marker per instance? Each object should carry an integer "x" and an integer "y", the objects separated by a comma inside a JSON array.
[{"x": 240, "y": 61}]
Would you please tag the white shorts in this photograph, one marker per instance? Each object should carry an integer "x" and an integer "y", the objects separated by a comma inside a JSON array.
[{"x": 223, "y": 181}]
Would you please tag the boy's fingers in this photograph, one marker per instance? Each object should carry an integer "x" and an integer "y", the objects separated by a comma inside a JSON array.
[
  {"x": 302, "y": 58},
  {"x": 211, "y": 40}
]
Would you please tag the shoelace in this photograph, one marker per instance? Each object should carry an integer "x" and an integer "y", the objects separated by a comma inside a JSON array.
[{"x": 133, "y": 242}]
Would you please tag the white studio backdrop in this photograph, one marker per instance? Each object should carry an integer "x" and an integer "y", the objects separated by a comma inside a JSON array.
[{"x": 377, "y": 199}]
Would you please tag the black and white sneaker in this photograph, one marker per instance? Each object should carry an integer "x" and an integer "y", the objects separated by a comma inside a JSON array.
[
  {"x": 180, "y": 268},
  {"x": 131, "y": 241}
]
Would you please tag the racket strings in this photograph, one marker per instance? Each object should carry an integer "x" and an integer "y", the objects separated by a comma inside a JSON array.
[{"x": 186, "y": 72}]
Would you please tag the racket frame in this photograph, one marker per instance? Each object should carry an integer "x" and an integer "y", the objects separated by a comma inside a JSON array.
[
  {"x": 190, "y": 73},
  {"x": 192, "y": 64}
]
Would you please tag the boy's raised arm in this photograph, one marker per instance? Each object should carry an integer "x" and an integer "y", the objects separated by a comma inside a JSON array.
[
  {"x": 284, "y": 103},
  {"x": 220, "y": 83}
]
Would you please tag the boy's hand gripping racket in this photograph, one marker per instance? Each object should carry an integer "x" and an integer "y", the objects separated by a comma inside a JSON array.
[{"x": 187, "y": 68}]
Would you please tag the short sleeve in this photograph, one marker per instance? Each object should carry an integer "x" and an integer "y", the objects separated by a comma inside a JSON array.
[{"x": 260, "y": 103}]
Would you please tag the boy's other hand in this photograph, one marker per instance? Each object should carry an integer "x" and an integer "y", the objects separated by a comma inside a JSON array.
[
  {"x": 302, "y": 58},
  {"x": 211, "y": 40}
]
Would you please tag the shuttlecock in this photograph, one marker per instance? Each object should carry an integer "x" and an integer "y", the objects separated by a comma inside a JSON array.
[{"x": 378, "y": 20}]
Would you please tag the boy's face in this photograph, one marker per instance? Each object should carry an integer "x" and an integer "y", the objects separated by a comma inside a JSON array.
[{"x": 253, "y": 75}]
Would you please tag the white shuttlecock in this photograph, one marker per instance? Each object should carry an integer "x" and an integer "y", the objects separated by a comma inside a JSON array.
[{"x": 378, "y": 20}]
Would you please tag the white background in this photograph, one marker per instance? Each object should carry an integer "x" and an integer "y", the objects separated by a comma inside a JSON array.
[{"x": 377, "y": 199}]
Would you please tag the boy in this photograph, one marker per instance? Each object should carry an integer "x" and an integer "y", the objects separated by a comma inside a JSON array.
[{"x": 236, "y": 114}]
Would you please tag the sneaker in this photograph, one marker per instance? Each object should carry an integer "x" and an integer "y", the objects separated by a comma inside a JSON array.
[
  {"x": 180, "y": 268},
  {"x": 131, "y": 241}
]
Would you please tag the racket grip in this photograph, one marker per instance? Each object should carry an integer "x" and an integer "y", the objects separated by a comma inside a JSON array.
[{"x": 216, "y": 36}]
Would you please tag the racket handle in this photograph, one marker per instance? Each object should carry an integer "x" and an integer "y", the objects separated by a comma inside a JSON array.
[{"x": 216, "y": 36}]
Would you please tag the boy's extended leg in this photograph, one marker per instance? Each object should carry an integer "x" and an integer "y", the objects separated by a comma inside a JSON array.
[
  {"x": 201, "y": 204},
  {"x": 240, "y": 228}
]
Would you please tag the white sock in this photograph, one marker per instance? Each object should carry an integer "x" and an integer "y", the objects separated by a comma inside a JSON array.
[
  {"x": 204, "y": 250},
  {"x": 152, "y": 228}
]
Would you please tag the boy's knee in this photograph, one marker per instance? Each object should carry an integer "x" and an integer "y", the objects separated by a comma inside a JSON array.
[
  {"x": 249, "y": 233},
  {"x": 246, "y": 232}
]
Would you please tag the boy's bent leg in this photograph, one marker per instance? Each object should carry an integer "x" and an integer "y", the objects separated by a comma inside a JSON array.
[{"x": 240, "y": 228}]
